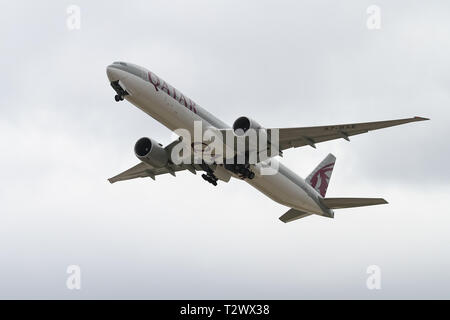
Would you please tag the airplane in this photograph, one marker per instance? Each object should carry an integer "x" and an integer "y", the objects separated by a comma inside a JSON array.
[{"x": 173, "y": 109}]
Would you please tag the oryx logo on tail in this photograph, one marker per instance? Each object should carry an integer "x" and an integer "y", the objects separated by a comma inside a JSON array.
[{"x": 320, "y": 177}]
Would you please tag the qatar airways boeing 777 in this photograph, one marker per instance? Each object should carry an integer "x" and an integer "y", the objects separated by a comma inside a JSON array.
[{"x": 177, "y": 112}]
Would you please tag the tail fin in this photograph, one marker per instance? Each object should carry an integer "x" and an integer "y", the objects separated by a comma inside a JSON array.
[{"x": 320, "y": 177}]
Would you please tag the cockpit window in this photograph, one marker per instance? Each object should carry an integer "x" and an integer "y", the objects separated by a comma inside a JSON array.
[{"x": 130, "y": 68}]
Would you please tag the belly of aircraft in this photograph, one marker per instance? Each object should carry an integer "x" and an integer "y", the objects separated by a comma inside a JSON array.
[{"x": 283, "y": 190}]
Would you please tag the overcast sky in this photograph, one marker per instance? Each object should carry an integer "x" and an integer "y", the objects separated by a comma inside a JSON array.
[{"x": 284, "y": 64}]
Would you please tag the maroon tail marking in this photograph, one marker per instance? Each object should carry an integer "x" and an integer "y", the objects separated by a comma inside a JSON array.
[{"x": 324, "y": 179}]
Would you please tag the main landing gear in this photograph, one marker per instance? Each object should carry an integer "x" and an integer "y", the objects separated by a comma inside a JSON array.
[
  {"x": 209, "y": 176},
  {"x": 243, "y": 170},
  {"x": 118, "y": 98},
  {"x": 211, "y": 179}
]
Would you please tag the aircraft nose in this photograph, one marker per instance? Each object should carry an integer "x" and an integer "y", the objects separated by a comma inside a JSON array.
[{"x": 112, "y": 73}]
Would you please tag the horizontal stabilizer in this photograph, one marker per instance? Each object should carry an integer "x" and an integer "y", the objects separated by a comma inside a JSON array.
[
  {"x": 340, "y": 203},
  {"x": 292, "y": 215}
]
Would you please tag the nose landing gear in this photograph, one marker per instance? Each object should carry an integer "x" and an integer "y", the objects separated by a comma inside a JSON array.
[
  {"x": 119, "y": 90},
  {"x": 118, "y": 98},
  {"x": 209, "y": 176}
]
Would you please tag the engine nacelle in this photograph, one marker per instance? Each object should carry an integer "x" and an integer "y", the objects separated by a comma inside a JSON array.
[
  {"x": 151, "y": 152},
  {"x": 243, "y": 124}
]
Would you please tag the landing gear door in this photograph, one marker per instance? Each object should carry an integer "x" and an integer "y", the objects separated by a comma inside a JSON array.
[{"x": 124, "y": 88}]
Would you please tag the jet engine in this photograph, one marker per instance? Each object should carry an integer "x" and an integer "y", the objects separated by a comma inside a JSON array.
[
  {"x": 151, "y": 152},
  {"x": 243, "y": 124},
  {"x": 255, "y": 140}
]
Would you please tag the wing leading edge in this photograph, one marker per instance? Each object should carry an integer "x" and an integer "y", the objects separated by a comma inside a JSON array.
[
  {"x": 142, "y": 170},
  {"x": 304, "y": 136}
]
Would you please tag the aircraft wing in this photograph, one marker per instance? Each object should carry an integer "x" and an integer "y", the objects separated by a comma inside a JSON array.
[
  {"x": 304, "y": 136},
  {"x": 143, "y": 170}
]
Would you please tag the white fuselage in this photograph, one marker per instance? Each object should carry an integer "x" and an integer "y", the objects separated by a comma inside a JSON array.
[{"x": 284, "y": 187}]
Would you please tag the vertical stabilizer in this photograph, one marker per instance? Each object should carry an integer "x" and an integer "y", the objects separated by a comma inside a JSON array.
[{"x": 320, "y": 177}]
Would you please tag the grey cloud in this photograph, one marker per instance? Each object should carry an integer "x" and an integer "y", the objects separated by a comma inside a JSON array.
[{"x": 283, "y": 63}]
